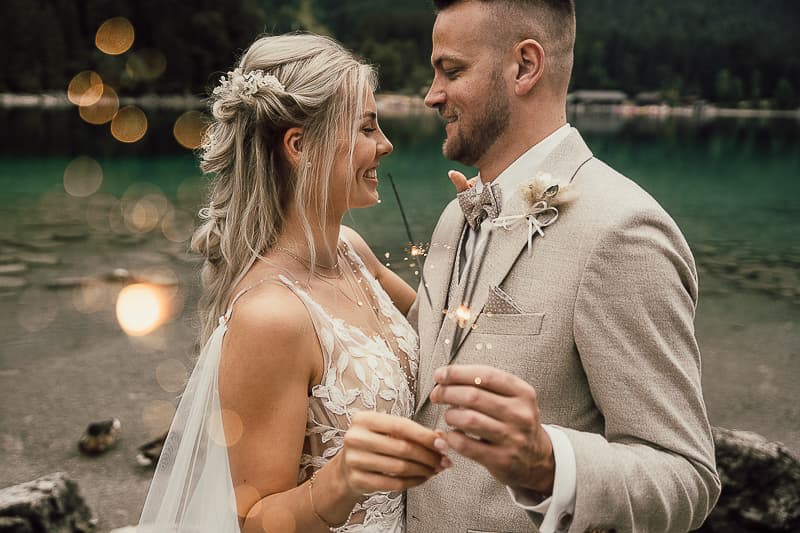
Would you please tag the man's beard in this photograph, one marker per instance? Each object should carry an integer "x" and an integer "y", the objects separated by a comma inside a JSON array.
[{"x": 470, "y": 142}]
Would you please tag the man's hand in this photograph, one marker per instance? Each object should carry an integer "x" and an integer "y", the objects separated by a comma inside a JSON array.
[{"x": 496, "y": 420}]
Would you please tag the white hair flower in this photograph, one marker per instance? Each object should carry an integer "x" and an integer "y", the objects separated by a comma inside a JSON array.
[{"x": 237, "y": 83}]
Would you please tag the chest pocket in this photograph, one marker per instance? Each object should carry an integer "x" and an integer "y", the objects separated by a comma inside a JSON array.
[{"x": 525, "y": 324}]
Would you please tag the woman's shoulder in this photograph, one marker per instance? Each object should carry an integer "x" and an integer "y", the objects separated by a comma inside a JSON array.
[{"x": 269, "y": 309}]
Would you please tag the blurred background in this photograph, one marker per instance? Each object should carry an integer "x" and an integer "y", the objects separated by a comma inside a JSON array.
[{"x": 102, "y": 106}]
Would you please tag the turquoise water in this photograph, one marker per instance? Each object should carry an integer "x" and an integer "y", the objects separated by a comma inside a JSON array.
[{"x": 731, "y": 182}]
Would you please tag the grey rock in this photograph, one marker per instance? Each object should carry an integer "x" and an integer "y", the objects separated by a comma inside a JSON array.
[
  {"x": 37, "y": 258},
  {"x": 69, "y": 234},
  {"x": 51, "y": 503},
  {"x": 13, "y": 268},
  {"x": 68, "y": 282},
  {"x": 11, "y": 282},
  {"x": 760, "y": 485}
]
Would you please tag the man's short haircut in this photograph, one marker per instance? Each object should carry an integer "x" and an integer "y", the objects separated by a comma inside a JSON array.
[{"x": 550, "y": 22}]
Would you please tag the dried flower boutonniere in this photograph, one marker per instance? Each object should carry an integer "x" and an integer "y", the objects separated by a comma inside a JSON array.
[{"x": 543, "y": 195}]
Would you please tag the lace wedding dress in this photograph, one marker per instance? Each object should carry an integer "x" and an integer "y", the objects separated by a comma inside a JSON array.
[{"x": 192, "y": 489}]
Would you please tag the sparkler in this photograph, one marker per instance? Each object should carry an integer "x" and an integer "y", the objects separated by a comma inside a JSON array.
[{"x": 415, "y": 250}]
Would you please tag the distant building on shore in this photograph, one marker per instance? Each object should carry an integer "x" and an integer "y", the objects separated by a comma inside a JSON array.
[{"x": 597, "y": 98}]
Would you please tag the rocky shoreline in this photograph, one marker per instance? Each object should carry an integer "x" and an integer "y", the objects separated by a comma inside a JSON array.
[{"x": 401, "y": 105}]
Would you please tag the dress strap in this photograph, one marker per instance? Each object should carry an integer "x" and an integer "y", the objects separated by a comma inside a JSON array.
[{"x": 227, "y": 316}]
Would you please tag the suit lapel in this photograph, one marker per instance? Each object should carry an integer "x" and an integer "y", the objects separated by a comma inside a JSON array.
[
  {"x": 440, "y": 265},
  {"x": 502, "y": 251},
  {"x": 505, "y": 246}
]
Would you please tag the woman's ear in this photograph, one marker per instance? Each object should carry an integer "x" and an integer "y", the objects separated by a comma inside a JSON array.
[
  {"x": 293, "y": 145},
  {"x": 529, "y": 56}
]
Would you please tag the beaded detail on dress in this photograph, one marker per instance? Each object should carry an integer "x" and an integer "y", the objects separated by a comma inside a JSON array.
[{"x": 362, "y": 372}]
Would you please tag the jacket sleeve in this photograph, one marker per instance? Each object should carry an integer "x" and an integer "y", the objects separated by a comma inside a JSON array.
[{"x": 653, "y": 469}]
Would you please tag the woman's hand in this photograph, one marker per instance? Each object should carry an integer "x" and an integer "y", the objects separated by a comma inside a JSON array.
[
  {"x": 388, "y": 453},
  {"x": 460, "y": 181}
]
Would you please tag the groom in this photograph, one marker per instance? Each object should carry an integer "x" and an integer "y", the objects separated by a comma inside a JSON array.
[{"x": 565, "y": 311}]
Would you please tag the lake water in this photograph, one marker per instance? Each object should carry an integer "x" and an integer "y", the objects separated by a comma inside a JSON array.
[{"x": 732, "y": 186}]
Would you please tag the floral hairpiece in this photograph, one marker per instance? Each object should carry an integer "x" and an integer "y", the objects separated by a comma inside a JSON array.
[{"x": 238, "y": 83}]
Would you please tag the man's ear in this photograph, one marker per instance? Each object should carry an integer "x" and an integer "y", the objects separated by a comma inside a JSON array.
[
  {"x": 293, "y": 145},
  {"x": 529, "y": 56}
]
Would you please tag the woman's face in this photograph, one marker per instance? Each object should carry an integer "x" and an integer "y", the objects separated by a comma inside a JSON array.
[{"x": 370, "y": 146}]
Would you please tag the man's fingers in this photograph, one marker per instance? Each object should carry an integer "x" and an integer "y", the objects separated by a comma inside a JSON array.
[
  {"x": 470, "y": 448},
  {"x": 459, "y": 180},
  {"x": 477, "y": 424},
  {"x": 485, "y": 377}
]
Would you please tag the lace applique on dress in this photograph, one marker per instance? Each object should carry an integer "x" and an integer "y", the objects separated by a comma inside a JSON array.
[{"x": 361, "y": 372}]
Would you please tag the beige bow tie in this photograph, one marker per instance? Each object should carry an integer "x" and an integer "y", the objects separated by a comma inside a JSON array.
[{"x": 477, "y": 206}]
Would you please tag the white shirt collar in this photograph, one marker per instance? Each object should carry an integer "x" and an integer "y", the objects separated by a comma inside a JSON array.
[{"x": 522, "y": 168}]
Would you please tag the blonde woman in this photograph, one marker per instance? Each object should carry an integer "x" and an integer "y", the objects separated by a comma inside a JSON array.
[{"x": 296, "y": 415}]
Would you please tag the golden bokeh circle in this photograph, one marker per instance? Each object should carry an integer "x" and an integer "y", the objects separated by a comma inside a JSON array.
[
  {"x": 82, "y": 177},
  {"x": 171, "y": 375},
  {"x": 141, "y": 309},
  {"x": 230, "y": 430},
  {"x": 129, "y": 125},
  {"x": 103, "y": 110},
  {"x": 114, "y": 36},
  {"x": 247, "y": 493},
  {"x": 85, "y": 89},
  {"x": 189, "y": 129},
  {"x": 177, "y": 226}
]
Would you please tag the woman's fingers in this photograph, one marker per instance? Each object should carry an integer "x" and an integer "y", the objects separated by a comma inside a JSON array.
[
  {"x": 397, "y": 427},
  {"x": 387, "y": 465},
  {"x": 366, "y": 482},
  {"x": 362, "y": 438}
]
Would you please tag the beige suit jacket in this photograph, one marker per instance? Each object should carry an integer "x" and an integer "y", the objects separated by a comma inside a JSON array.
[{"x": 605, "y": 336}]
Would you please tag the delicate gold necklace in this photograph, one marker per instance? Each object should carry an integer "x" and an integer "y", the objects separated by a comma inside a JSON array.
[{"x": 308, "y": 264}]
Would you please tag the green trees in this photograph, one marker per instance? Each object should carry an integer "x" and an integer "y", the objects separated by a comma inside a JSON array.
[{"x": 728, "y": 52}]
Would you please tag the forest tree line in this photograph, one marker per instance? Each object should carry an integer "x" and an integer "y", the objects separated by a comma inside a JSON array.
[{"x": 732, "y": 52}]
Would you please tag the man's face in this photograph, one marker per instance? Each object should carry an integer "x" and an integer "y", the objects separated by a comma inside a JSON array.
[{"x": 468, "y": 89}]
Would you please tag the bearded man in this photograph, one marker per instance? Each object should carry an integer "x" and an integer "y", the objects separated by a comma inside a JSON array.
[{"x": 558, "y": 353}]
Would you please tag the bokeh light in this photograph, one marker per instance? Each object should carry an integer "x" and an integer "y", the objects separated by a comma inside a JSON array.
[
  {"x": 177, "y": 226},
  {"x": 82, "y": 177},
  {"x": 85, "y": 89},
  {"x": 142, "y": 206},
  {"x": 191, "y": 192},
  {"x": 245, "y": 492},
  {"x": 115, "y": 36},
  {"x": 171, "y": 375},
  {"x": 142, "y": 217},
  {"x": 103, "y": 110},
  {"x": 231, "y": 431},
  {"x": 141, "y": 309},
  {"x": 189, "y": 129},
  {"x": 157, "y": 417},
  {"x": 146, "y": 64},
  {"x": 93, "y": 296},
  {"x": 129, "y": 125},
  {"x": 36, "y": 309},
  {"x": 97, "y": 210}
]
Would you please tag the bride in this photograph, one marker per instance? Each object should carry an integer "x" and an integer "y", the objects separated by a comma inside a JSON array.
[{"x": 296, "y": 415}]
